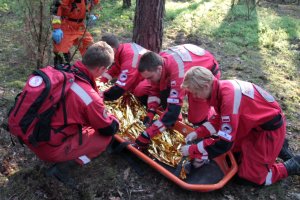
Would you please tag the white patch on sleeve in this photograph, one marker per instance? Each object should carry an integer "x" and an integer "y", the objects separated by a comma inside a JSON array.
[
  {"x": 173, "y": 83},
  {"x": 183, "y": 53},
  {"x": 224, "y": 135},
  {"x": 246, "y": 88},
  {"x": 170, "y": 100},
  {"x": 195, "y": 49},
  {"x": 225, "y": 118},
  {"x": 84, "y": 159},
  {"x": 269, "y": 178},
  {"x": 268, "y": 97}
]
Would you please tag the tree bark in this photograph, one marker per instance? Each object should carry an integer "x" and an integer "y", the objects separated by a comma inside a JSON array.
[
  {"x": 148, "y": 24},
  {"x": 126, "y": 3}
]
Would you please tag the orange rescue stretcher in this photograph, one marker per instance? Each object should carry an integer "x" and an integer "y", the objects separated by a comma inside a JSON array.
[{"x": 209, "y": 177}]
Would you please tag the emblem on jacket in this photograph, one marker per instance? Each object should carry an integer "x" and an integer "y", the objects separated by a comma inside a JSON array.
[
  {"x": 123, "y": 77},
  {"x": 35, "y": 81}
]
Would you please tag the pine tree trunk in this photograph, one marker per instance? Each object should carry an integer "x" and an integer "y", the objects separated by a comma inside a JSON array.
[{"x": 148, "y": 24}]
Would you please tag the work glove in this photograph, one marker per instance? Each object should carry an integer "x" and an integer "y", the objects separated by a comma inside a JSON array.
[
  {"x": 92, "y": 19},
  {"x": 143, "y": 140},
  {"x": 199, "y": 162},
  {"x": 57, "y": 35},
  {"x": 185, "y": 150},
  {"x": 191, "y": 137},
  {"x": 148, "y": 119},
  {"x": 193, "y": 152}
]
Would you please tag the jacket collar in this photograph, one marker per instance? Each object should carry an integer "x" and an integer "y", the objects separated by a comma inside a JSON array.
[{"x": 84, "y": 74}]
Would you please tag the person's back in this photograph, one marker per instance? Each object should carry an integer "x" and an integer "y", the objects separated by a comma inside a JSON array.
[
  {"x": 248, "y": 121},
  {"x": 85, "y": 113},
  {"x": 178, "y": 59},
  {"x": 81, "y": 128},
  {"x": 166, "y": 72},
  {"x": 127, "y": 56}
]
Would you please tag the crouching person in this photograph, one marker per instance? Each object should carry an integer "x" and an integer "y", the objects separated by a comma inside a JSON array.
[
  {"x": 248, "y": 121},
  {"x": 81, "y": 128}
]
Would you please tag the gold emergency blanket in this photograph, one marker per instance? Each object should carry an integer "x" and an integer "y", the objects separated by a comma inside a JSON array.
[{"x": 164, "y": 147}]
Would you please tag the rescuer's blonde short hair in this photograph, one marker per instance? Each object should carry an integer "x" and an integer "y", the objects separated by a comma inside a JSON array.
[{"x": 196, "y": 77}]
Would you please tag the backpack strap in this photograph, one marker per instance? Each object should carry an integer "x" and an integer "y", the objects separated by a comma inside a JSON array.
[{"x": 82, "y": 75}]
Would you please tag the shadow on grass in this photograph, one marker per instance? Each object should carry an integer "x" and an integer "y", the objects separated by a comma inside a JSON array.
[
  {"x": 240, "y": 41},
  {"x": 172, "y": 14}
]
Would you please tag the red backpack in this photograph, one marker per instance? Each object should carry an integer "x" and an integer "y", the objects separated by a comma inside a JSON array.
[{"x": 45, "y": 90}]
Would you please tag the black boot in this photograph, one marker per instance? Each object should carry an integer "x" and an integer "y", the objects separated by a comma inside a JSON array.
[
  {"x": 285, "y": 153},
  {"x": 61, "y": 171},
  {"x": 293, "y": 165}
]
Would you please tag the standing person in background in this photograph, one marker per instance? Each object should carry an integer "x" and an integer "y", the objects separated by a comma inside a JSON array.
[
  {"x": 69, "y": 27},
  {"x": 165, "y": 71},
  {"x": 127, "y": 57},
  {"x": 248, "y": 121}
]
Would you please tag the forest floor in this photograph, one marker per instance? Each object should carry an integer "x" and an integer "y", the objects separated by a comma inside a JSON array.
[{"x": 111, "y": 176}]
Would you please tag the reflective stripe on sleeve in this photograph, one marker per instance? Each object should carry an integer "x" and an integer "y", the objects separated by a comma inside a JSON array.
[
  {"x": 84, "y": 159},
  {"x": 153, "y": 99},
  {"x": 107, "y": 75},
  {"x": 120, "y": 83},
  {"x": 85, "y": 97},
  {"x": 180, "y": 65},
  {"x": 237, "y": 97},
  {"x": 210, "y": 128},
  {"x": 179, "y": 62},
  {"x": 138, "y": 50},
  {"x": 160, "y": 125},
  {"x": 269, "y": 178},
  {"x": 201, "y": 149}
]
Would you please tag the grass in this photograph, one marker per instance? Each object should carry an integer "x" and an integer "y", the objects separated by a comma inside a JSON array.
[{"x": 266, "y": 40}]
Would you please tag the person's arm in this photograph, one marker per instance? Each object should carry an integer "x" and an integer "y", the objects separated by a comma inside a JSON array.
[
  {"x": 113, "y": 72},
  {"x": 224, "y": 127},
  {"x": 98, "y": 117},
  {"x": 113, "y": 93},
  {"x": 169, "y": 116}
]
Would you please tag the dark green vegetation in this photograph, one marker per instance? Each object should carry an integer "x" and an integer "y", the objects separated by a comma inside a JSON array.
[{"x": 264, "y": 50}]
